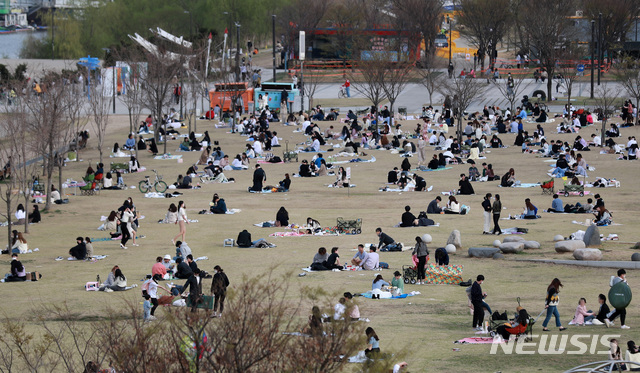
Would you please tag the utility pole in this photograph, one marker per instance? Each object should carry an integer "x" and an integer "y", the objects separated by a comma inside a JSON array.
[
  {"x": 301, "y": 56},
  {"x": 273, "y": 32},
  {"x": 53, "y": 30},
  {"x": 593, "y": 51}
]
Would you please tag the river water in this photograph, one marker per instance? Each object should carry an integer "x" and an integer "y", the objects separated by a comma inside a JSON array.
[{"x": 11, "y": 44}]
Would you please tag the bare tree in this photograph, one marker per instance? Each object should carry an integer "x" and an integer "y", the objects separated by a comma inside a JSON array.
[
  {"x": 545, "y": 33},
  {"x": 511, "y": 89},
  {"x": 606, "y": 97},
  {"x": 464, "y": 92},
  {"x": 99, "y": 106},
  {"x": 49, "y": 117},
  {"x": 630, "y": 79},
  {"x": 132, "y": 95},
  {"x": 367, "y": 79},
  {"x": 263, "y": 329},
  {"x": 395, "y": 80},
  {"x": 618, "y": 17},
  {"x": 431, "y": 76},
  {"x": 422, "y": 18},
  {"x": 485, "y": 24},
  {"x": 310, "y": 85}
]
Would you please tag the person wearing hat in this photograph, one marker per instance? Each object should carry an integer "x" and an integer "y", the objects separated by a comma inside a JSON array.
[
  {"x": 398, "y": 282},
  {"x": 79, "y": 251},
  {"x": 219, "y": 290},
  {"x": 194, "y": 283},
  {"x": 168, "y": 263},
  {"x": 159, "y": 268}
]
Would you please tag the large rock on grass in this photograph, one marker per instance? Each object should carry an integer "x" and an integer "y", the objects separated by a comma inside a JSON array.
[
  {"x": 513, "y": 239},
  {"x": 454, "y": 239},
  {"x": 511, "y": 247},
  {"x": 498, "y": 256},
  {"x": 558, "y": 237},
  {"x": 569, "y": 246},
  {"x": 483, "y": 252},
  {"x": 635, "y": 257},
  {"x": 587, "y": 254},
  {"x": 592, "y": 236},
  {"x": 531, "y": 245}
]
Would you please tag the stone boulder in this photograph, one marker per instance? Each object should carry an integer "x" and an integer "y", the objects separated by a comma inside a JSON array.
[
  {"x": 483, "y": 252},
  {"x": 496, "y": 243},
  {"x": 531, "y": 245},
  {"x": 454, "y": 239},
  {"x": 635, "y": 257},
  {"x": 592, "y": 237},
  {"x": 498, "y": 256},
  {"x": 558, "y": 237},
  {"x": 450, "y": 248},
  {"x": 569, "y": 246},
  {"x": 426, "y": 238},
  {"x": 513, "y": 239},
  {"x": 511, "y": 247},
  {"x": 587, "y": 254}
]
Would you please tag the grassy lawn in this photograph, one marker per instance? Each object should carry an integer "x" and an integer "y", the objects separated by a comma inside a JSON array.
[{"x": 420, "y": 329}]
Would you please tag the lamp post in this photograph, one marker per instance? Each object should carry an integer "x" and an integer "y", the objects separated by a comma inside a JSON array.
[
  {"x": 600, "y": 52},
  {"x": 273, "y": 35},
  {"x": 237, "y": 52},
  {"x": 449, "y": 21},
  {"x": 593, "y": 43},
  {"x": 53, "y": 29},
  {"x": 113, "y": 78}
]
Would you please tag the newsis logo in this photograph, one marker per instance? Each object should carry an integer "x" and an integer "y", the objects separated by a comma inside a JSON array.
[{"x": 553, "y": 344}]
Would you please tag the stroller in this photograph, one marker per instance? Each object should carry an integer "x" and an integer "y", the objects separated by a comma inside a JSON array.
[{"x": 498, "y": 319}]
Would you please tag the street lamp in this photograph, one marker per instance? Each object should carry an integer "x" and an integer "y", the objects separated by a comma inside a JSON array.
[
  {"x": 273, "y": 32},
  {"x": 113, "y": 78},
  {"x": 237, "y": 52},
  {"x": 593, "y": 43},
  {"x": 450, "y": 22},
  {"x": 600, "y": 42}
]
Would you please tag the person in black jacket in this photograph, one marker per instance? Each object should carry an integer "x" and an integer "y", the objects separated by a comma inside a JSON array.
[
  {"x": 392, "y": 176},
  {"x": 486, "y": 206},
  {"x": 259, "y": 176},
  {"x": 408, "y": 219},
  {"x": 80, "y": 250},
  {"x": 421, "y": 183},
  {"x": 433, "y": 207},
  {"x": 244, "y": 239},
  {"x": 602, "y": 312},
  {"x": 465, "y": 186},
  {"x": 477, "y": 297},
  {"x": 219, "y": 289},
  {"x": 18, "y": 272},
  {"x": 386, "y": 242},
  {"x": 183, "y": 270},
  {"x": 194, "y": 283},
  {"x": 192, "y": 263}
]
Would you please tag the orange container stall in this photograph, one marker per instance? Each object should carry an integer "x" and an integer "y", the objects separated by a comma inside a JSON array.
[{"x": 224, "y": 93}]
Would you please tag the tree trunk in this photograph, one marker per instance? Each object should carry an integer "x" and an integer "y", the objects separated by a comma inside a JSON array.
[
  {"x": 549, "y": 84},
  {"x": 459, "y": 126},
  {"x": 60, "y": 162},
  {"x": 130, "y": 121},
  {"x": 8, "y": 196},
  {"x": 26, "y": 203}
]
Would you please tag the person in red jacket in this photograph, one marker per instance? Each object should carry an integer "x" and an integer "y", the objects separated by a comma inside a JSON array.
[{"x": 518, "y": 326}]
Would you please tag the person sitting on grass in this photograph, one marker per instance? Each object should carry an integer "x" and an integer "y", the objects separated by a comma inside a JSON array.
[
  {"x": 360, "y": 256},
  {"x": 408, "y": 219},
  {"x": 530, "y": 211},
  {"x": 333, "y": 261},
  {"x": 517, "y": 327},
  {"x": 433, "y": 207},
  {"x": 508, "y": 179},
  {"x": 218, "y": 205},
  {"x": 372, "y": 261},
  {"x": 378, "y": 283},
  {"x": 453, "y": 206},
  {"x": 318, "y": 259},
  {"x": 582, "y": 317},
  {"x": 373, "y": 348},
  {"x": 398, "y": 282},
  {"x": 78, "y": 252},
  {"x": 18, "y": 272},
  {"x": 556, "y": 204},
  {"x": 602, "y": 216},
  {"x": 119, "y": 283},
  {"x": 465, "y": 186}
]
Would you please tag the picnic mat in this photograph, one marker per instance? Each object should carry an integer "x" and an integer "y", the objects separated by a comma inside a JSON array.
[
  {"x": 401, "y": 296},
  {"x": 523, "y": 185},
  {"x": 449, "y": 274},
  {"x": 356, "y": 160},
  {"x": 168, "y": 156},
  {"x": 428, "y": 169},
  {"x": 478, "y": 340},
  {"x": 583, "y": 223}
]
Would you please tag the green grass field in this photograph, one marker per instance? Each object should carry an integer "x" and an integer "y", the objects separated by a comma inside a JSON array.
[{"x": 421, "y": 328}]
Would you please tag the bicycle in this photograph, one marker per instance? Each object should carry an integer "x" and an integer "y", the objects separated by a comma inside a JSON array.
[
  {"x": 145, "y": 185},
  {"x": 342, "y": 93}
]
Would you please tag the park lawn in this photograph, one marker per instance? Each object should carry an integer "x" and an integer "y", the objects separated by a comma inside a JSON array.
[{"x": 419, "y": 329}]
